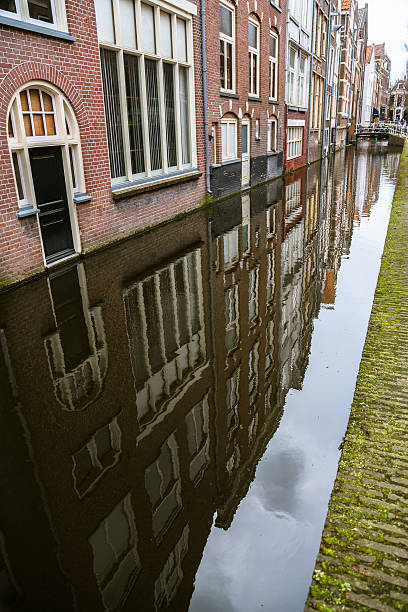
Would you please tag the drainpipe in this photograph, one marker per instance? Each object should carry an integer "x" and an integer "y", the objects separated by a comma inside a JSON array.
[
  {"x": 310, "y": 83},
  {"x": 204, "y": 56}
]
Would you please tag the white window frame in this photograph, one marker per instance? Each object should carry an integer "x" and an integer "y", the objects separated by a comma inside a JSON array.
[
  {"x": 120, "y": 50},
  {"x": 273, "y": 61},
  {"x": 254, "y": 55},
  {"x": 296, "y": 75},
  {"x": 22, "y": 14},
  {"x": 20, "y": 144},
  {"x": 234, "y": 154},
  {"x": 225, "y": 39},
  {"x": 294, "y": 144},
  {"x": 272, "y": 146}
]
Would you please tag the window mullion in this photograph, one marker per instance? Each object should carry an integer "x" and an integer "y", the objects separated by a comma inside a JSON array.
[
  {"x": 124, "y": 114},
  {"x": 24, "y": 13}
]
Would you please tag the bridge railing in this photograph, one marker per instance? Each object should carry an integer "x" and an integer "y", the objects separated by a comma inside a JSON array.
[{"x": 382, "y": 128}]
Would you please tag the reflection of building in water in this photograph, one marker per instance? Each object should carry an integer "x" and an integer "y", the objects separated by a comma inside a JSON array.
[
  {"x": 76, "y": 350},
  {"x": 246, "y": 258},
  {"x": 164, "y": 315},
  {"x": 120, "y": 510}
]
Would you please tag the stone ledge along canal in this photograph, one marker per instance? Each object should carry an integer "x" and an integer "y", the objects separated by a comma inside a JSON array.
[{"x": 172, "y": 407}]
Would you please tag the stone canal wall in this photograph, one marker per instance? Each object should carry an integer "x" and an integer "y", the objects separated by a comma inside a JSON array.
[{"x": 363, "y": 559}]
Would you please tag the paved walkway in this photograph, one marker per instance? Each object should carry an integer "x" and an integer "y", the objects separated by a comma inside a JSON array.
[{"x": 363, "y": 558}]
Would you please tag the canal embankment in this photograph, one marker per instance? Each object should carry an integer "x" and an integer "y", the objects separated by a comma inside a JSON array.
[{"x": 363, "y": 558}]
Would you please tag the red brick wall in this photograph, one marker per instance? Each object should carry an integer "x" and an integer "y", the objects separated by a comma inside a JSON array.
[
  {"x": 75, "y": 69},
  {"x": 266, "y": 15}
]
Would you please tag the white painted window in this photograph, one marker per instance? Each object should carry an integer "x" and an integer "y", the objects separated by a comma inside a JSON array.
[
  {"x": 116, "y": 561},
  {"x": 41, "y": 116},
  {"x": 253, "y": 56},
  {"x": 231, "y": 252},
  {"x": 229, "y": 139},
  {"x": 46, "y": 13},
  {"x": 257, "y": 134},
  {"x": 295, "y": 142},
  {"x": 272, "y": 131},
  {"x": 147, "y": 74},
  {"x": 97, "y": 456},
  {"x": 296, "y": 77},
  {"x": 227, "y": 47},
  {"x": 273, "y": 65},
  {"x": 163, "y": 485}
]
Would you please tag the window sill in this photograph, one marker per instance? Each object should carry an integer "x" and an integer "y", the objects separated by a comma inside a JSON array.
[
  {"x": 37, "y": 29},
  {"x": 254, "y": 98},
  {"x": 275, "y": 6},
  {"x": 27, "y": 211},
  {"x": 272, "y": 153},
  {"x": 124, "y": 190},
  {"x": 81, "y": 198},
  {"x": 272, "y": 101},
  {"x": 228, "y": 162},
  {"x": 298, "y": 109},
  {"x": 228, "y": 94}
]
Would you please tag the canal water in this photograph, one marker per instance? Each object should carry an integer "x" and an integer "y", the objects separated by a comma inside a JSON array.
[{"x": 172, "y": 407}]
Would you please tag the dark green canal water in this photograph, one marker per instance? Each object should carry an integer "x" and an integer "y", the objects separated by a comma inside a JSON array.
[{"x": 172, "y": 407}]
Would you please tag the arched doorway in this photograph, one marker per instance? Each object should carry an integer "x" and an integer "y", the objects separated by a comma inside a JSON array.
[{"x": 43, "y": 137}]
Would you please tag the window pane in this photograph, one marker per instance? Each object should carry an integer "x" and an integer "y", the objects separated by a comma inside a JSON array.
[
  {"x": 127, "y": 23},
  {"x": 50, "y": 124},
  {"x": 153, "y": 114},
  {"x": 41, "y": 9},
  {"x": 224, "y": 140},
  {"x": 39, "y": 129},
  {"x": 73, "y": 169},
  {"x": 8, "y": 5},
  {"x": 112, "y": 112},
  {"x": 232, "y": 139},
  {"x": 104, "y": 20},
  {"x": 10, "y": 128},
  {"x": 18, "y": 177},
  {"x": 165, "y": 34},
  {"x": 47, "y": 102},
  {"x": 225, "y": 20},
  {"x": 168, "y": 78},
  {"x": 27, "y": 125},
  {"x": 134, "y": 113},
  {"x": 24, "y": 101},
  {"x": 149, "y": 44},
  {"x": 244, "y": 139},
  {"x": 181, "y": 40},
  {"x": 292, "y": 56},
  {"x": 228, "y": 48},
  {"x": 35, "y": 100},
  {"x": 252, "y": 35},
  {"x": 184, "y": 114},
  {"x": 222, "y": 63},
  {"x": 272, "y": 46}
]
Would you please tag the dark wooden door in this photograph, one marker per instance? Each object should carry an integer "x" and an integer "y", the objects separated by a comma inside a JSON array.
[{"x": 51, "y": 195}]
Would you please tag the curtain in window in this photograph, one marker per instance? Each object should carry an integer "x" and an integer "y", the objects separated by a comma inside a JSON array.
[
  {"x": 153, "y": 114},
  {"x": 134, "y": 113},
  {"x": 168, "y": 78},
  {"x": 112, "y": 112}
]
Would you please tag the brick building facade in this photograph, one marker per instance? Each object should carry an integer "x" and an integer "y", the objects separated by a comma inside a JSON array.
[{"x": 112, "y": 173}]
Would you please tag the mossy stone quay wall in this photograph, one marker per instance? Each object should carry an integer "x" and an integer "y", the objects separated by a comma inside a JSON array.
[{"x": 363, "y": 558}]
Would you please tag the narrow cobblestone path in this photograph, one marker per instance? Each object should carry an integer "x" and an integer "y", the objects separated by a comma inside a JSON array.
[{"x": 363, "y": 558}]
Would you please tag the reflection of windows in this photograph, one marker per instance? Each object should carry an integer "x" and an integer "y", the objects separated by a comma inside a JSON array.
[
  {"x": 162, "y": 479},
  {"x": 228, "y": 139},
  {"x": 231, "y": 247},
  {"x": 253, "y": 294},
  {"x": 232, "y": 389},
  {"x": 164, "y": 316},
  {"x": 198, "y": 437},
  {"x": 253, "y": 53},
  {"x": 253, "y": 427},
  {"x": 253, "y": 372},
  {"x": 271, "y": 220},
  {"x": 115, "y": 558},
  {"x": 270, "y": 344},
  {"x": 147, "y": 75},
  {"x": 99, "y": 454},
  {"x": 169, "y": 580},
  {"x": 270, "y": 280},
  {"x": 295, "y": 142},
  {"x": 227, "y": 47},
  {"x": 231, "y": 317},
  {"x": 293, "y": 198}
]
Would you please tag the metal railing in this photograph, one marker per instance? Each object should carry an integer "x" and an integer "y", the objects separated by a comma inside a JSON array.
[{"x": 382, "y": 128}]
